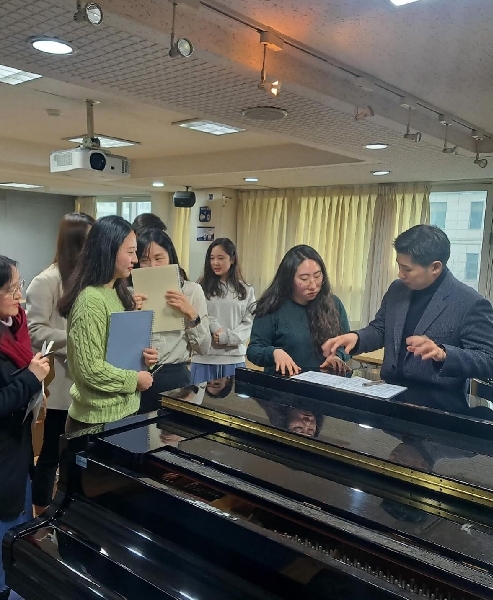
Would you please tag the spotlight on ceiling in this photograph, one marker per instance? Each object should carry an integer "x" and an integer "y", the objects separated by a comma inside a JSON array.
[
  {"x": 378, "y": 173},
  {"x": 413, "y": 137},
  {"x": 183, "y": 46},
  {"x": 250, "y": 179},
  {"x": 90, "y": 13},
  {"x": 446, "y": 121},
  {"x": 362, "y": 113},
  {"x": 481, "y": 162},
  {"x": 271, "y": 87},
  {"x": 478, "y": 136},
  {"x": 275, "y": 43}
]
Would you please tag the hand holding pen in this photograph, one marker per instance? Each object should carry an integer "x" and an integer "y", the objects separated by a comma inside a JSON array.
[{"x": 39, "y": 365}]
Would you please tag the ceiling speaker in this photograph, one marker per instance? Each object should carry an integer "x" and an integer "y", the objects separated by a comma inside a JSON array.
[
  {"x": 184, "y": 199},
  {"x": 265, "y": 113}
]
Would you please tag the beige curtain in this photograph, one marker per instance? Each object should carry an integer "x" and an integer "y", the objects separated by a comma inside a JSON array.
[
  {"x": 262, "y": 235},
  {"x": 336, "y": 221},
  {"x": 352, "y": 228},
  {"x": 398, "y": 207},
  {"x": 180, "y": 234},
  {"x": 86, "y": 204}
]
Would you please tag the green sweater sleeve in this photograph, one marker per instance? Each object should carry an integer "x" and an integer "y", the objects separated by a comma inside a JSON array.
[
  {"x": 260, "y": 350},
  {"x": 87, "y": 334}
]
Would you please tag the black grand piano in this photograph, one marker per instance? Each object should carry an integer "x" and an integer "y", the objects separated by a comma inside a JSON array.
[{"x": 267, "y": 488}]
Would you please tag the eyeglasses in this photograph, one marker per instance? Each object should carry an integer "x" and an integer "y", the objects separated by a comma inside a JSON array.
[
  {"x": 15, "y": 289},
  {"x": 304, "y": 284}
]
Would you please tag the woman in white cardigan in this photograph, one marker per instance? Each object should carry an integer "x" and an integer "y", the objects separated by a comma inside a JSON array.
[{"x": 46, "y": 324}]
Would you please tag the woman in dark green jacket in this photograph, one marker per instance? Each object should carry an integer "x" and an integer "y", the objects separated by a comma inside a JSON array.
[{"x": 294, "y": 317}]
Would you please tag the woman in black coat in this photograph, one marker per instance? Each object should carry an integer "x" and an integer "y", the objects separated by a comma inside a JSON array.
[{"x": 21, "y": 375}]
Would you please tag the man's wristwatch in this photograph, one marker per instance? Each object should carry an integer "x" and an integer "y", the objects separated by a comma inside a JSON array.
[{"x": 193, "y": 322}]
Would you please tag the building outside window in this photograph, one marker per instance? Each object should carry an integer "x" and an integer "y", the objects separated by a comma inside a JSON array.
[
  {"x": 461, "y": 216},
  {"x": 476, "y": 215},
  {"x": 438, "y": 214},
  {"x": 471, "y": 272}
]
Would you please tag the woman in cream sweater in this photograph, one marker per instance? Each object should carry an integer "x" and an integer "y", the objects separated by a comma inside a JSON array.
[{"x": 46, "y": 324}]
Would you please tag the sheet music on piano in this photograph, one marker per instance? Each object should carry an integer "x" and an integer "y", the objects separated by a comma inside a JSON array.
[{"x": 352, "y": 384}]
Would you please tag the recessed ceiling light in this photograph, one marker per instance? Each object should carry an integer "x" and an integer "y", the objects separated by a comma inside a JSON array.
[
  {"x": 15, "y": 76},
  {"x": 208, "y": 126},
  {"x": 24, "y": 186},
  {"x": 376, "y": 146},
  {"x": 106, "y": 141},
  {"x": 380, "y": 172},
  {"x": 250, "y": 179},
  {"x": 402, "y": 2},
  {"x": 157, "y": 184},
  {"x": 51, "y": 45}
]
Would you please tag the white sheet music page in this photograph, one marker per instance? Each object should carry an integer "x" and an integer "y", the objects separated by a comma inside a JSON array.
[{"x": 352, "y": 384}]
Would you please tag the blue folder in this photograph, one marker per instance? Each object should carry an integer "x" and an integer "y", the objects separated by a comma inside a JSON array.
[{"x": 129, "y": 335}]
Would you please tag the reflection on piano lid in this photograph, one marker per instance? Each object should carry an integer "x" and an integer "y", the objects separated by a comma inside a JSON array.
[{"x": 264, "y": 495}]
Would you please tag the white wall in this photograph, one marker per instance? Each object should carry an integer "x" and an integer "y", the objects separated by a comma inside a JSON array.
[
  {"x": 29, "y": 228},
  {"x": 223, "y": 218}
]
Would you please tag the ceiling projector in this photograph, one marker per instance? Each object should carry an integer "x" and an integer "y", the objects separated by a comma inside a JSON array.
[{"x": 89, "y": 162}]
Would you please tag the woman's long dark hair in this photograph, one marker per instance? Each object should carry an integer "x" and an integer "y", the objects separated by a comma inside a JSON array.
[
  {"x": 71, "y": 237},
  {"x": 96, "y": 263},
  {"x": 159, "y": 237},
  {"x": 323, "y": 315},
  {"x": 7, "y": 266},
  {"x": 211, "y": 283}
]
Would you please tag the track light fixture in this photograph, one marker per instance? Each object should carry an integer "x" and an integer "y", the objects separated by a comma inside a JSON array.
[
  {"x": 269, "y": 40},
  {"x": 481, "y": 162},
  {"x": 90, "y": 13},
  {"x": 413, "y": 137},
  {"x": 446, "y": 121},
  {"x": 182, "y": 46},
  {"x": 362, "y": 113}
]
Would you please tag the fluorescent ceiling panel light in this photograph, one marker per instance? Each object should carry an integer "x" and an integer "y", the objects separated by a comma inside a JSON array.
[
  {"x": 376, "y": 146},
  {"x": 402, "y": 2},
  {"x": 208, "y": 127},
  {"x": 157, "y": 184},
  {"x": 24, "y": 186},
  {"x": 250, "y": 179},
  {"x": 51, "y": 46},
  {"x": 15, "y": 76},
  {"x": 105, "y": 140},
  {"x": 380, "y": 172}
]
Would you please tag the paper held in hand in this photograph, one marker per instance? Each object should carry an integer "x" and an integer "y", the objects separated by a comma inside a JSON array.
[
  {"x": 37, "y": 400},
  {"x": 353, "y": 384},
  {"x": 154, "y": 282}
]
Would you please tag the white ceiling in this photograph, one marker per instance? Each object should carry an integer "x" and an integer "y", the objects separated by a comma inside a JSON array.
[{"x": 439, "y": 51}]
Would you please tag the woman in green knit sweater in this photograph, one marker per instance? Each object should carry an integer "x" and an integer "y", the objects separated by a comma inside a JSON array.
[
  {"x": 293, "y": 316},
  {"x": 101, "y": 392}
]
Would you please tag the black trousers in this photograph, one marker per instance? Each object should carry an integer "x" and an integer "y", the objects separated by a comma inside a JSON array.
[
  {"x": 167, "y": 378},
  {"x": 47, "y": 465}
]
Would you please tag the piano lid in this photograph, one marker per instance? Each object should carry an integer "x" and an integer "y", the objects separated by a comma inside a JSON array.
[{"x": 429, "y": 455}]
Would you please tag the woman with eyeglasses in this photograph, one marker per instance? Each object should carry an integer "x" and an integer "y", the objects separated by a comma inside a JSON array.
[
  {"x": 155, "y": 249},
  {"x": 21, "y": 377},
  {"x": 45, "y": 324},
  {"x": 293, "y": 316}
]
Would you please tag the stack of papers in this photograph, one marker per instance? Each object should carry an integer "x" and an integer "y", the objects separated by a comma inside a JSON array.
[{"x": 353, "y": 384}]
